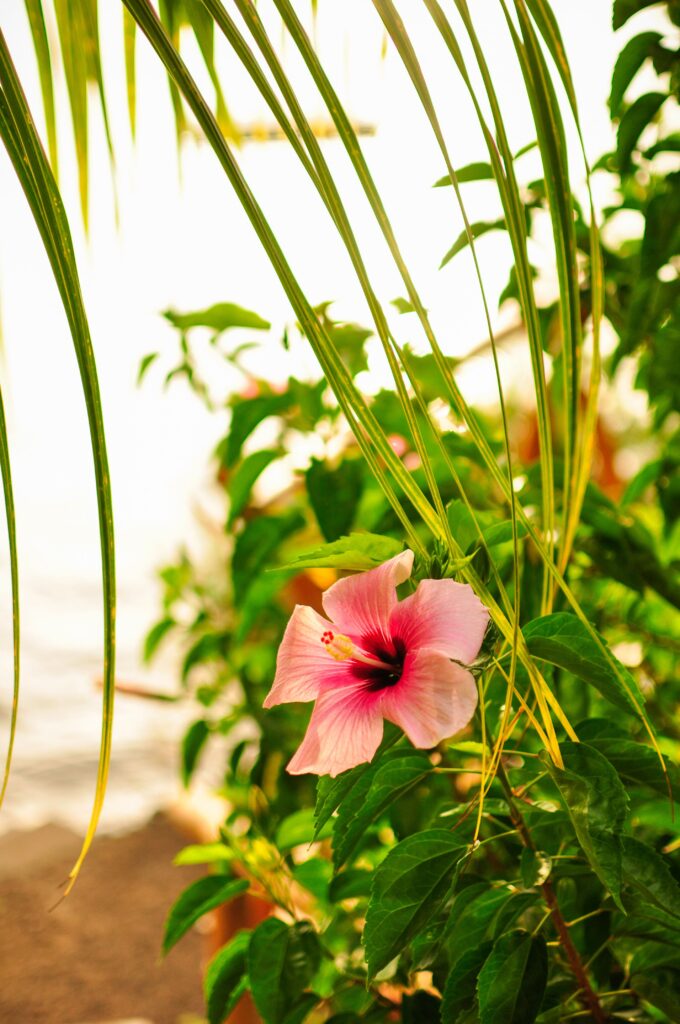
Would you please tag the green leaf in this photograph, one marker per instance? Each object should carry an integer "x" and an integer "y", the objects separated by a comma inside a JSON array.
[
  {"x": 625, "y": 9},
  {"x": 633, "y": 123},
  {"x": 647, "y": 872},
  {"x": 242, "y": 480},
  {"x": 350, "y": 885},
  {"x": 662, "y": 989},
  {"x": 334, "y": 495},
  {"x": 634, "y": 761},
  {"x": 535, "y": 867},
  {"x": 315, "y": 876},
  {"x": 203, "y": 853},
  {"x": 245, "y": 416},
  {"x": 301, "y": 1010},
  {"x": 298, "y": 829},
  {"x": 597, "y": 804},
  {"x": 461, "y": 983},
  {"x": 225, "y": 978},
  {"x": 144, "y": 364},
  {"x": 282, "y": 959},
  {"x": 255, "y": 547},
  {"x": 409, "y": 887},
  {"x": 628, "y": 63},
  {"x": 470, "y": 172},
  {"x": 563, "y": 640},
  {"x": 356, "y": 553},
  {"x": 192, "y": 745},
  {"x": 155, "y": 636},
  {"x": 378, "y": 788},
  {"x": 220, "y": 317},
  {"x": 477, "y": 229},
  {"x": 204, "y": 895},
  {"x": 512, "y": 982},
  {"x": 331, "y": 792},
  {"x": 474, "y": 910}
]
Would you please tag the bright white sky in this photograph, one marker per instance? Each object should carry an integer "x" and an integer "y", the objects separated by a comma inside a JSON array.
[{"x": 185, "y": 242}]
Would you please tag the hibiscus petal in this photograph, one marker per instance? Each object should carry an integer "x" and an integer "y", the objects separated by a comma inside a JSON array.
[
  {"x": 443, "y": 616},
  {"x": 433, "y": 699},
  {"x": 361, "y": 605},
  {"x": 303, "y": 664},
  {"x": 345, "y": 730}
]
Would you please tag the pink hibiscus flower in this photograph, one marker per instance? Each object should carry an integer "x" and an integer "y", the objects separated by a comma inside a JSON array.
[{"x": 375, "y": 657}]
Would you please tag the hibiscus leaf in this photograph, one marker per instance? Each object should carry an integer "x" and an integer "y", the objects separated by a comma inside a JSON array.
[
  {"x": 474, "y": 910},
  {"x": 331, "y": 792},
  {"x": 563, "y": 640},
  {"x": 512, "y": 982},
  {"x": 204, "y": 895},
  {"x": 282, "y": 959},
  {"x": 409, "y": 887},
  {"x": 647, "y": 872},
  {"x": 226, "y": 978},
  {"x": 371, "y": 795},
  {"x": 356, "y": 553},
  {"x": 461, "y": 983},
  {"x": 635, "y": 762},
  {"x": 597, "y": 804}
]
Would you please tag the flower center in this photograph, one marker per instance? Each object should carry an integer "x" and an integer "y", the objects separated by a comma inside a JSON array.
[{"x": 379, "y": 663}]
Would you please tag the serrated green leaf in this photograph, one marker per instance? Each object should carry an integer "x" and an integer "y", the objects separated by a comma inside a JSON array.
[
  {"x": 597, "y": 804},
  {"x": 461, "y": 983},
  {"x": 282, "y": 959},
  {"x": 202, "y": 896},
  {"x": 645, "y": 871},
  {"x": 512, "y": 982},
  {"x": 356, "y": 553},
  {"x": 225, "y": 978},
  {"x": 563, "y": 640},
  {"x": 473, "y": 912},
  {"x": 634, "y": 761},
  {"x": 409, "y": 887},
  {"x": 377, "y": 789}
]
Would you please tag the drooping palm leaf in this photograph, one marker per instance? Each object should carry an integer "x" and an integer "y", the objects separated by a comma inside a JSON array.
[{"x": 21, "y": 140}]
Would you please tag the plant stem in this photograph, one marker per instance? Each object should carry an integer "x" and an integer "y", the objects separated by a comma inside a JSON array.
[{"x": 587, "y": 994}]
